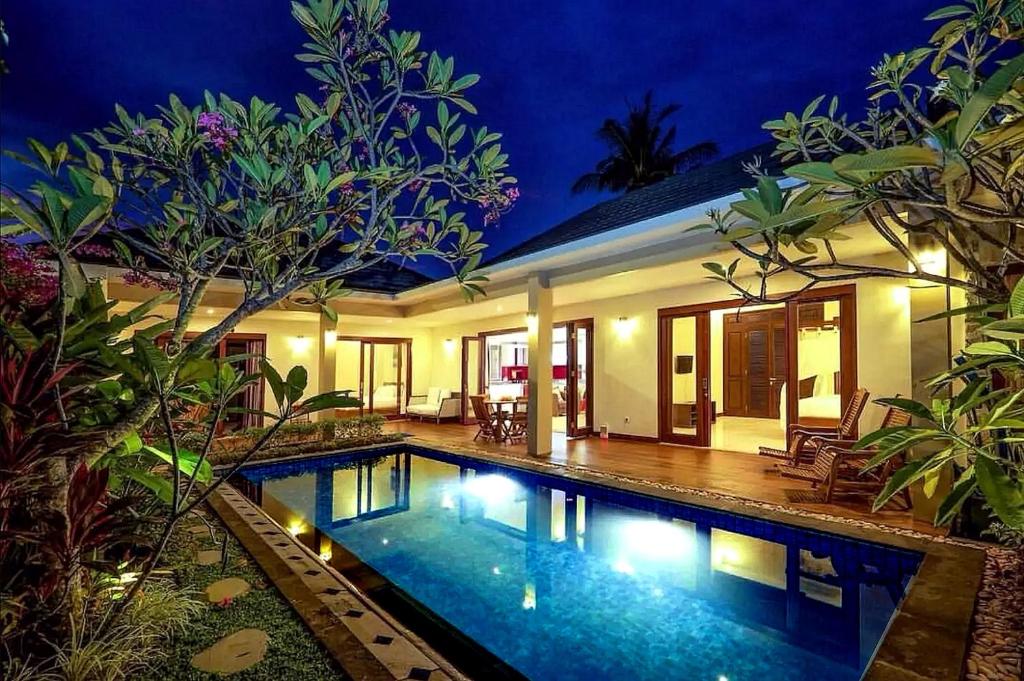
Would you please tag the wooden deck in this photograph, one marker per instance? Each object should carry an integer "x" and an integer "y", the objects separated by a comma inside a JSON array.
[{"x": 743, "y": 475}]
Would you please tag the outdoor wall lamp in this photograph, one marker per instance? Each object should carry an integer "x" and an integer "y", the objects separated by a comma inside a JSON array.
[
  {"x": 531, "y": 323},
  {"x": 299, "y": 344},
  {"x": 624, "y": 327}
]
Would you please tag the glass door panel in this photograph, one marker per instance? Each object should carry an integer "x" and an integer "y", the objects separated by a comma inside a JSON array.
[
  {"x": 349, "y": 372},
  {"x": 685, "y": 414},
  {"x": 472, "y": 375},
  {"x": 580, "y": 361},
  {"x": 818, "y": 382}
]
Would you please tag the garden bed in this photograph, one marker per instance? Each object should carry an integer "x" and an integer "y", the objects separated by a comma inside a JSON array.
[{"x": 292, "y": 651}]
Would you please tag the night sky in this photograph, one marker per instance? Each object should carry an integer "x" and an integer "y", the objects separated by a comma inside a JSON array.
[{"x": 550, "y": 71}]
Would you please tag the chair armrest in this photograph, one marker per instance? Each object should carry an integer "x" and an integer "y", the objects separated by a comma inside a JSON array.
[
  {"x": 417, "y": 399},
  {"x": 809, "y": 431},
  {"x": 450, "y": 406}
]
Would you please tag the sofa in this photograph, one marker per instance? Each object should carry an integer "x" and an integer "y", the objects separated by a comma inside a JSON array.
[{"x": 437, "y": 404}]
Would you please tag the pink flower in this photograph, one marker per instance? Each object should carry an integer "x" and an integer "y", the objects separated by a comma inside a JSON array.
[
  {"x": 220, "y": 134},
  {"x": 406, "y": 110}
]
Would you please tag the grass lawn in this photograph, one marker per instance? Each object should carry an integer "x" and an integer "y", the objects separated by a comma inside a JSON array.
[{"x": 293, "y": 652}]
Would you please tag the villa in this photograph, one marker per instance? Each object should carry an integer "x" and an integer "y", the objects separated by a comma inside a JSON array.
[{"x": 608, "y": 326}]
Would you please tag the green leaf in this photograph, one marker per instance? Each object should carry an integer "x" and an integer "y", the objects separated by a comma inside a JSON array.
[
  {"x": 1016, "y": 306},
  {"x": 159, "y": 485},
  {"x": 1005, "y": 496},
  {"x": 948, "y": 11},
  {"x": 187, "y": 461},
  {"x": 989, "y": 348},
  {"x": 912, "y": 407},
  {"x": 982, "y": 101},
  {"x": 295, "y": 383},
  {"x": 961, "y": 491},
  {"x": 332, "y": 400},
  {"x": 888, "y": 160},
  {"x": 150, "y": 357},
  {"x": 274, "y": 379}
]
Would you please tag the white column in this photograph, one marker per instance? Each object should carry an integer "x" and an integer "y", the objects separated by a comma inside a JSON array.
[
  {"x": 326, "y": 360},
  {"x": 539, "y": 322}
]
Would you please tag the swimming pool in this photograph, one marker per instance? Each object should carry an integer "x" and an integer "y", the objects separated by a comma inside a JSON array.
[{"x": 558, "y": 579}]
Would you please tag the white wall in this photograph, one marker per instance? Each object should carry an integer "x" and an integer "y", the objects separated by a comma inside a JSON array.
[
  {"x": 290, "y": 342},
  {"x": 625, "y": 365}
]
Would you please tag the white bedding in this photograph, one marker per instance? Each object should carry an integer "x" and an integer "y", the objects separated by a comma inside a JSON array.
[{"x": 820, "y": 406}]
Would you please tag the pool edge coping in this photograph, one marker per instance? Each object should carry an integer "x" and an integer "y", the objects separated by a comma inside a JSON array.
[{"x": 931, "y": 629}]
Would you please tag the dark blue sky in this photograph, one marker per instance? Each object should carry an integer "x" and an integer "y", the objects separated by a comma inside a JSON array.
[{"x": 550, "y": 71}]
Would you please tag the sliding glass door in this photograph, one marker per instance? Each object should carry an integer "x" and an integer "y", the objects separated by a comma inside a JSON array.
[
  {"x": 683, "y": 379},
  {"x": 377, "y": 371}
]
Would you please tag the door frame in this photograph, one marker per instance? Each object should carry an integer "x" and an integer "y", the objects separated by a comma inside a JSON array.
[
  {"x": 404, "y": 362},
  {"x": 572, "y": 428},
  {"x": 702, "y": 366},
  {"x": 464, "y": 414},
  {"x": 845, "y": 293}
]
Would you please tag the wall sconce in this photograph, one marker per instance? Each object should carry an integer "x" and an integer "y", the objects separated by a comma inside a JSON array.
[
  {"x": 330, "y": 337},
  {"x": 299, "y": 344},
  {"x": 624, "y": 327},
  {"x": 531, "y": 323},
  {"x": 449, "y": 346},
  {"x": 296, "y": 527},
  {"x": 933, "y": 261}
]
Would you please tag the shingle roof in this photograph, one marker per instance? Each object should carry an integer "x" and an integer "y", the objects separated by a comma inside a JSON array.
[{"x": 699, "y": 185}]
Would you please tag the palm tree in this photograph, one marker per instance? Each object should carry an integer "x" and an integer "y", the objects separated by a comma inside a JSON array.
[{"x": 641, "y": 152}]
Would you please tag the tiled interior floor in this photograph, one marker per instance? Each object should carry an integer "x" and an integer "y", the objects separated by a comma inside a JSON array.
[{"x": 742, "y": 434}]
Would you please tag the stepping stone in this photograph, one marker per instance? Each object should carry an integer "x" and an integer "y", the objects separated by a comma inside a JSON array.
[
  {"x": 208, "y": 557},
  {"x": 231, "y": 587},
  {"x": 233, "y": 653}
]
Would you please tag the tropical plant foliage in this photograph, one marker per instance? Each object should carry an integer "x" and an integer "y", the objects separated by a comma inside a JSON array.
[
  {"x": 380, "y": 164},
  {"x": 980, "y": 429},
  {"x": 939, "y": 156},
  {"x": 641, "y": 150}
]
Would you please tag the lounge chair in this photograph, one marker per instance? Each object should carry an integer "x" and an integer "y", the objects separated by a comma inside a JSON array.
[
  {"x": 489, "y": 426},
  {"x": 437, "y": 404},
  {"x": 801, "y": 437},
  {"x": 839, "y": 468}
]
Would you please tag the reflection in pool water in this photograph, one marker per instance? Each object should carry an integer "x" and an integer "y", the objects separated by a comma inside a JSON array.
[{"x": 562, "y": 580}]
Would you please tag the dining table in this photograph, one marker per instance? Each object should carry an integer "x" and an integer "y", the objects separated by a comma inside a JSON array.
[{"x": 504, "y": 410}]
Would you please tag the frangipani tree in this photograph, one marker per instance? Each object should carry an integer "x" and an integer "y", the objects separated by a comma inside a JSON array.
[
  {"x": 940, "y": 157},
  {"x": 379, "y": 164}
]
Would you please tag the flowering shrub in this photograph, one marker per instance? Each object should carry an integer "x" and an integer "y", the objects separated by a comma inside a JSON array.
[{"x": 26, "y": 279}]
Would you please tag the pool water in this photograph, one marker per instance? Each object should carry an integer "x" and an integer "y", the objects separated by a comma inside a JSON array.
[{"x": 564, "y": 580}]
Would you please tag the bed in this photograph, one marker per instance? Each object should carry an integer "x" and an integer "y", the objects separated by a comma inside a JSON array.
[{"x": 814, "y": 406}]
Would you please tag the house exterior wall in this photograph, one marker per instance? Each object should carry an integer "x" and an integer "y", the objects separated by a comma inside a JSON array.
[
  {"x": 290, "y": 342},
  {"x": 626, "y": 359}
]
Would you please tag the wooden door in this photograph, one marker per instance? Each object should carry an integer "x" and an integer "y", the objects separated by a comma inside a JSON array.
[{"x": 754, "y": 362}]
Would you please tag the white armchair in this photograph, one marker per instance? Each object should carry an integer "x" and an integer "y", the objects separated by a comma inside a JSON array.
[{"x": 437, "y": 404}]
